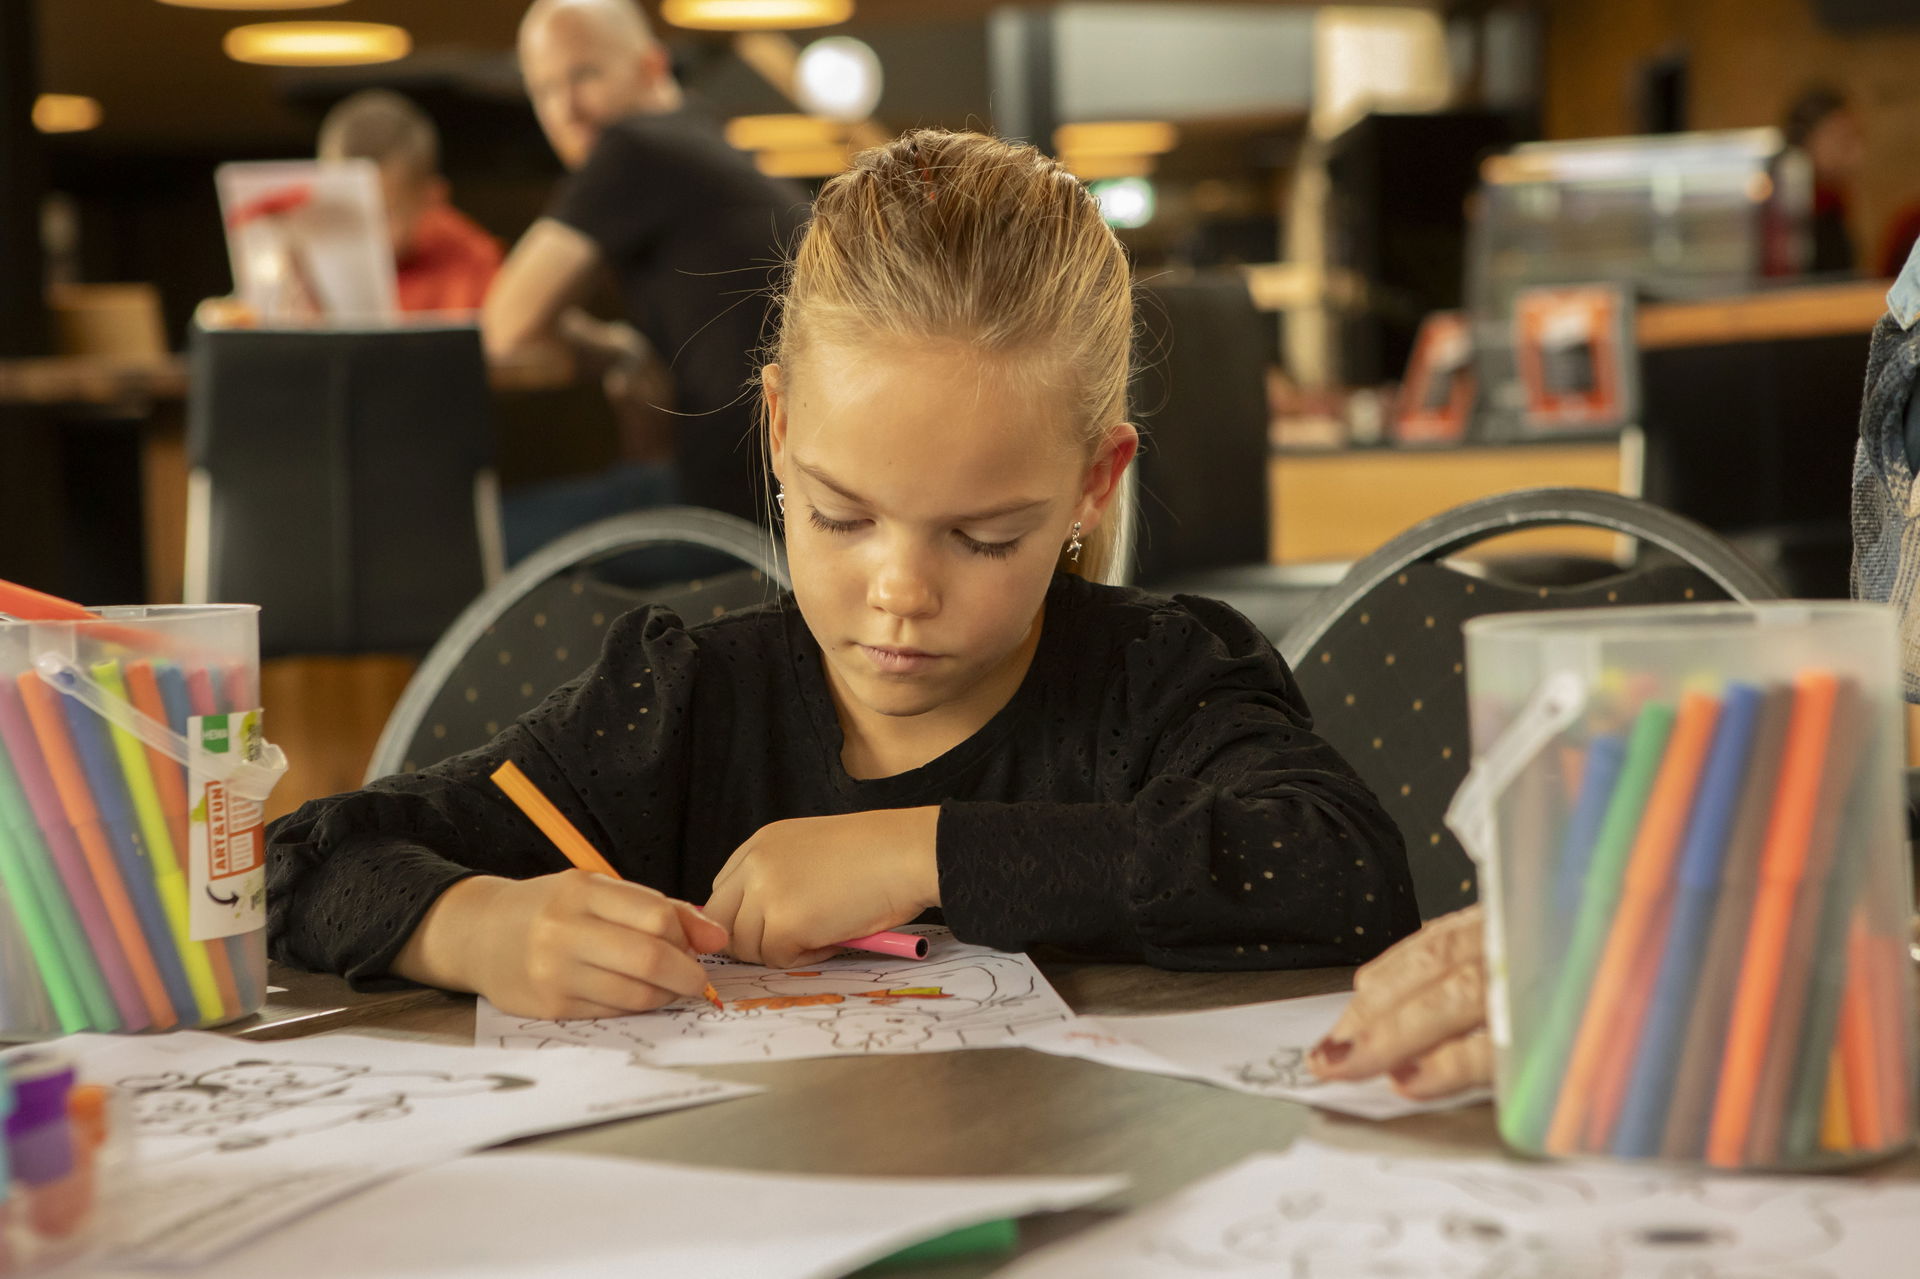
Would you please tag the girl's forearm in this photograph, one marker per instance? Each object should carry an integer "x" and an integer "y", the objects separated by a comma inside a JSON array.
[{"x": 439, "y": 952}]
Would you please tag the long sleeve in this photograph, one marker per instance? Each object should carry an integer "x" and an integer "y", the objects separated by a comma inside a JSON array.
[
  {"x": 349, "y": 877},
  {"x": 1231, "y": 835}
]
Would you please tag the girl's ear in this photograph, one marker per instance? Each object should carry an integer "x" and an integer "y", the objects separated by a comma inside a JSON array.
[
  {"x": 773, "y": 387},
  {"x": 1109, "y": 466}
]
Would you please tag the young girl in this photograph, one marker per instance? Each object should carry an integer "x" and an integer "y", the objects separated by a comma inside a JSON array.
[{"x": 949, "y": 711}]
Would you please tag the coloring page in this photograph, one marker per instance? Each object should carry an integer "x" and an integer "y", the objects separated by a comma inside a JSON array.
[
  {"x": 1320, "y": 1213},
  {"x": 527, "y": 1215},
  {"x": 234, "y": 1137},
  {"x": 1256, "y": 1048},
  {"x": 855, "y": 1004}
]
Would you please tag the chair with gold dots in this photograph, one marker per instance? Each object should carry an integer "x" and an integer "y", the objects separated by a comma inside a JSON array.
[
  {"x": 542, "y": 624},
  {"x": 1381, "y": 659}
]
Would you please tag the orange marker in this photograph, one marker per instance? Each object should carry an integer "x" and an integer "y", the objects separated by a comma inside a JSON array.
[
  {"x": 1610, "y": 1015},
  {"x": 44, "y": 712},
  {"x": 1782, "y": 868},
  {"x": 563, "y": 834},
  {"x": 1858, "y": 1054},
  {"x": 1836, "y": 1125}
]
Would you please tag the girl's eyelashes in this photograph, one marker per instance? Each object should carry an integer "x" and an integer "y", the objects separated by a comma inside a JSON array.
[
  {"x": 992, "y": 550},
  {"x": 826, "y": 525}
]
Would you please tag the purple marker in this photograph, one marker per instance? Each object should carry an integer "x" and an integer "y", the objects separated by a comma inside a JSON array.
[{"x": 58, "y": 1190}]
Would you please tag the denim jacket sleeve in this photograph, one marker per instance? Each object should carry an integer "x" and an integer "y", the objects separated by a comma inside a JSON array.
[{"x": 1886, "y": 504}]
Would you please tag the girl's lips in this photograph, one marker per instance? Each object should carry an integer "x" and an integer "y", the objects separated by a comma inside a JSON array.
[{"x": 898, "y": 661}]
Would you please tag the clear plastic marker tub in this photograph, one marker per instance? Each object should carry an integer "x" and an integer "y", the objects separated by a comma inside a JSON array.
[
  {"x": 132, "y": 774},
  {"x": 1691, "y": 837}
]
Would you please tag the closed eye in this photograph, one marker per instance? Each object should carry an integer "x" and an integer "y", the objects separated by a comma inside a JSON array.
[
  {"x": 992, "y": 550},
  {"x": 826, "y": 525}
]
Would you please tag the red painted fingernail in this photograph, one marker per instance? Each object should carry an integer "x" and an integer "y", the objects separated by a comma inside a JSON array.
[
  {"x": 1333, "y": 1051},
  {"x": 1404, "y": 1073}
]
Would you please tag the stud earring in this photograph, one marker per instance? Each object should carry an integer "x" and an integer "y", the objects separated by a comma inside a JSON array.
[{"x": 1074, "y": 543}]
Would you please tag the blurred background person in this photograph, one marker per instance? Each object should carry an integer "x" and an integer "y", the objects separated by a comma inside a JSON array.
[
  {"x": 688, "y": 228},
  {"x": 1823, "y": 123},
  {"x": 443, "y": 261}
]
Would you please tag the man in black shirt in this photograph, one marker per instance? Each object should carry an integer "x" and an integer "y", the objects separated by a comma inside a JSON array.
[{"x": 690, "y": 231}]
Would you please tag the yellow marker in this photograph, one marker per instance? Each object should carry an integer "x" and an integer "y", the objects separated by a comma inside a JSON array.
[{"x": 172, "y": 885}]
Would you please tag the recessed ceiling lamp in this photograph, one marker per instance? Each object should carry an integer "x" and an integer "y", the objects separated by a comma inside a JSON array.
[
  {"x": 65, "y": 113},
  {"x": 782, "y": 132},
  {"x": 252, "y": 4},
  {"x": 755, "y": 15},
  {"x": 839, "y": 78},
  {"x": 317, "y": 44},
  {"x": 807, "y": 162},
  {"x": 1116, "y": 137}
]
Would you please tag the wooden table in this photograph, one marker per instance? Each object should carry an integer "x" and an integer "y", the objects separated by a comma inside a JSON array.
[{"x": 986, "y": 1112}]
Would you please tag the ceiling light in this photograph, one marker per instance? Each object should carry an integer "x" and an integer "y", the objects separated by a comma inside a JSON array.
[
  {"x": 252, "y": 4},
  {"x": 65, "y": 113},
  {"x": 1089, "y": 168},
  {"x": 317, "y": 44},
  {"x": 782, "y": 132},
  {"x": 755, "y": 15},
  {"x": 809, "y": 162},
  {"x": 1116, "y": 137},
  {"x": 838, "y": 77}
]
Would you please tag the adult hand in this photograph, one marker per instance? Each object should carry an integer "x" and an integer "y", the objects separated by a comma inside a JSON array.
[
  {"x": 572, "y": 944},
  {"x": 1419, "y": 1014},
  {"x": 798, "y": 887}
]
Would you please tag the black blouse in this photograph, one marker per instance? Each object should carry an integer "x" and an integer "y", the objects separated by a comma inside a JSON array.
[{"x": 1152, "y": 792}]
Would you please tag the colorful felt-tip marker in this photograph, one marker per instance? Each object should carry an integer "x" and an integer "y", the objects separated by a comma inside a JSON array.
[
  {"x": 904, "y": 945},
  {"x": 563, "y": 834}
]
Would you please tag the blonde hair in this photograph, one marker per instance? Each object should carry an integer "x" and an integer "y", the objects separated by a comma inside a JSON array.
[{"x": 960, "y": 236}]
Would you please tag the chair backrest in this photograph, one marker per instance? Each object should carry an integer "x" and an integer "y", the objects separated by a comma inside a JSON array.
[
  {"x": 343, "y": 481},
  {"x": 1381, "y": 659},
  {"x": 1202, "y": 400},
  {"x": 543, "y": 623}
]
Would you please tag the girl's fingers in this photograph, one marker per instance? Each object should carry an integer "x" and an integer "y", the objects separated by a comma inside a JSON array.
[
  {"x": 723, "y": 908},
  {"x": 636, "y": 907},
  {"x": 620, "y": 992},
  {"x": 1455, "y": 1066},
  {"x": 1447, "y": 1007},
  {"x": 748, "y": 934},
  {"x": 703, "y": 934},
  {"x": 1409, "y": 966},
  {"x": 638, "y": 956}
]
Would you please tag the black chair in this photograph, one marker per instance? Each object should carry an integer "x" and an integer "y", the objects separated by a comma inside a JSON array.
[
  {"x": 1202, "y": 472},
  {"x": 1381, "y": 658},
  {"x": 543, "y": 623},
  {"x": 343, "y": 481}
]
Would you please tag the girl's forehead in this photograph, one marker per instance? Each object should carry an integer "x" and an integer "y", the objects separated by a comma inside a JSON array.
[{"x": 921, "y": 439}]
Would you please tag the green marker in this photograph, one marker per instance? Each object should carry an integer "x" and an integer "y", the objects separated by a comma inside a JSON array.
[
  {"x": 42, "y": 940},
  {"x": 968, "y": 1241},
  {"x": 30, "y": 850},
  {"x": 1527, "y": 1112}
]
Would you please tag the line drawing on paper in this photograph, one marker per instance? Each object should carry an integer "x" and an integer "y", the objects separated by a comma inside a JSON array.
[
  {"x": 247, "y": 1104},
  {"x": 1453, "y": 1222},
  {"x": 856, "y": 1004}
]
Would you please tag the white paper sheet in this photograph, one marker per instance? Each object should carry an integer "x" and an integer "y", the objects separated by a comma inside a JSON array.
[
  {"x": 232, "y": 1138},
  {"x": 855, "y": 1004},
  {"x": 1318, "y": 1213},
  {"x": 516, "y": 1215},
  {"x": 1256, "y": 1048}
]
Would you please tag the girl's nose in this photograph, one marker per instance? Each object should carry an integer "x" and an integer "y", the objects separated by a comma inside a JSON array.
[{"x": 903, "y": 586}]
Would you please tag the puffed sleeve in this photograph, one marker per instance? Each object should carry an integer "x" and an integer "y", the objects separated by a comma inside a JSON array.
[{"x": 349, "y": 877}]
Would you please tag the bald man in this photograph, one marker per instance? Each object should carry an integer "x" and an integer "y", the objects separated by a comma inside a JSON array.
[{"x": 688, "y": 228}]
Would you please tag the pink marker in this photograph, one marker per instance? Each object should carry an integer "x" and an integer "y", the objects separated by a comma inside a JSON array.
[{"x": 905, "y": 945}]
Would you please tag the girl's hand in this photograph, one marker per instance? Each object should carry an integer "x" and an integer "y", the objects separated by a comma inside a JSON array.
[
  {"x": 1419, "y": 1013},
  {"x": 571, "y": 944},
  {"x": 798, "y": 887}
]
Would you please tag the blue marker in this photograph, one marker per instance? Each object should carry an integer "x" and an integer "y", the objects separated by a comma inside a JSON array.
[
  {"x": 110, "y": 797},
  {"x": 1643, "y": 1115},
  {"x": 1605, "y": 754}
]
